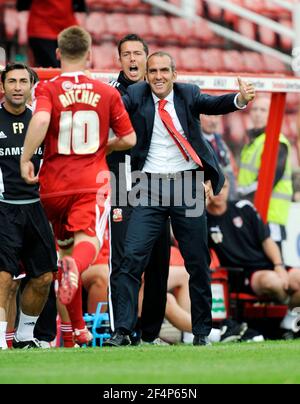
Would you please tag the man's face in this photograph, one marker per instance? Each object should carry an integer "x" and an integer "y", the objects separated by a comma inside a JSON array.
[
  {"x": 259, "y": 113},
  {"x": 160, "y": 76},
  {"x": 210, "y": 123},
  {"x": 17, "y": 87},
  {"x": 220, "y": 200},
  {"x": 133, "y": 60}
]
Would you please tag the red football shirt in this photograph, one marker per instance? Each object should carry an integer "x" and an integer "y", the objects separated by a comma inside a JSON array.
[
  {"x": 46, "y": 20},
  {"x": 82, "y": 112}
]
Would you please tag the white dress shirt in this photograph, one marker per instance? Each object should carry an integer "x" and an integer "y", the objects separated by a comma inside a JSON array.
[{"x": 164, "y": 156}]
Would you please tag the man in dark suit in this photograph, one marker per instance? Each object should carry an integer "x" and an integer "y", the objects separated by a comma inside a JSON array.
[
  {"x": 133, "y": 53},
  {"x": 172, "y": 155}
]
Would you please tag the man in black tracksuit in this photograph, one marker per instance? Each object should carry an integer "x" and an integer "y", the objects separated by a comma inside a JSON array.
[
  {"x": 25, "y": 234},
  {"x": 133, "y": 52}
]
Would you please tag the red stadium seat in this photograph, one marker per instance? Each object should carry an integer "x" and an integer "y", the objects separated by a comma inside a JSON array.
[
  {"x": 139, "y": 24},
  {"x": 233, "y": 61},
  {"x": 133, "y": 4},
  {"x": 160, "y": 27},
  {"x": 104, "y": 56},
  {"x": 285, "y": 42},
  {"x": 215, "y": 12},
  {"x": 96, "y": 25},
  {"x": 108, "y": 3},
  {"x": 230, "y": 17},
  {"x": 267, "y": 36},
  {"x": 253, "y": 62},
  {"x": 247, "y": 28},
  {"x": 212, "y": 60},
  {"x": 117, "y": 25},
  {"x": 199, "y": 5},
  {"x": 202, "y": 32},
  {"x": 174, "y": 51},
  {"x": 181, "y": 29},
  {"x": 273, "y": 65},
  {"x": 190, "y": 59}
]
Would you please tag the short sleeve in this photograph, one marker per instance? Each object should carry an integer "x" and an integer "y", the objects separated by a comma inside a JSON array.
[
  {"x": 119, "y": 118},
  {"x": 42, "y": 100},
  {"x": 262, "y": 229}
]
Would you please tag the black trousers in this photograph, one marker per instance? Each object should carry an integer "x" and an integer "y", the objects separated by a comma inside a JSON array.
[
  {"x": 44, "y": 52},
  {"x": 156, "y": 275},
  {"x": 190, "y": 230}
]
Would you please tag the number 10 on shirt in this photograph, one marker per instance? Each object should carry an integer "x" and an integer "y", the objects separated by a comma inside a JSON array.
[{"x": 79, "y": 133}]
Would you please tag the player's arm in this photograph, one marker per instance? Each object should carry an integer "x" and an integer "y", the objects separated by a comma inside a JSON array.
[
  {"x": 35, "y": 136},
  {"x": 121, "y": 143},
  {"x": 120, "y": 123}
]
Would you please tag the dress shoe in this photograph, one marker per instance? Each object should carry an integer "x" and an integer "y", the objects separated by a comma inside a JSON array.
[
  {"x": 118, "y": 339},
  {"x": 201, "y": 340}
]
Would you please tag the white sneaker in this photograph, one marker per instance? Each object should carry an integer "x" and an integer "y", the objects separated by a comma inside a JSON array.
[
  {"x": 3, "y": 347},
  {"x": 291, "y": 321},
  {"x": 157, "y": 341},
  {"x": 45, "y": 345}
]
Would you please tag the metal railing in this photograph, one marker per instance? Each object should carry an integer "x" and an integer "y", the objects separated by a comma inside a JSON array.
[{"x": 228, "y": 33}]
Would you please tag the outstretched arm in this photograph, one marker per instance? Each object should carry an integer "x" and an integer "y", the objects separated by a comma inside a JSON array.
[
  {"x": 35, "y": 136},
  {"x": 224, "y": 104}
]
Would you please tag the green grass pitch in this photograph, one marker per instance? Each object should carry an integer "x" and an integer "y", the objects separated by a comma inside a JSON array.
[{"x": 269, "y": 362}]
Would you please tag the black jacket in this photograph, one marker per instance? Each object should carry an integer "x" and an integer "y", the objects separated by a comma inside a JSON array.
[{"x": 189, "y": 104}]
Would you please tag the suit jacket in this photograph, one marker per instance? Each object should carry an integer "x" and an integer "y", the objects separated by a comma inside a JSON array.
[{"x": 189, "y": 103}]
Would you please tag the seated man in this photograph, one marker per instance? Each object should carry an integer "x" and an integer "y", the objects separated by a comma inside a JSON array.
[
  {"x": 241, "y": 239},
  {"x": 178, "y": 309}
]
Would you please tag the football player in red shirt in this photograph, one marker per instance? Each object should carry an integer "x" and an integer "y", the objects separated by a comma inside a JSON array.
[{"x": 72, "y": 117}]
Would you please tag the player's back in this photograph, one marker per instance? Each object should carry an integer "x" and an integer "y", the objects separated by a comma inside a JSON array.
[{"x": 82, "y": 111}]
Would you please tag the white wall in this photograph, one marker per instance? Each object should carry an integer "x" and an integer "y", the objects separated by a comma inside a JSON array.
[{"x": 291, "y": 248}]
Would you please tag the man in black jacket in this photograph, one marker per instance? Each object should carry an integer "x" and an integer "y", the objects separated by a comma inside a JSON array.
[
  {"x": 25, "y": 234},
  {"x": 172, "y": 154},
  {"x": 133, "y": 52}
]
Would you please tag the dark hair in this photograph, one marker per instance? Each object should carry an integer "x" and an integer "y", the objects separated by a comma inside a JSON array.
[
  {"x": 162, "y": 54},
  {"x": 36, "y": 78},
  {"x": 17, "y": 66},
  {"x": 133, "y": 37}
]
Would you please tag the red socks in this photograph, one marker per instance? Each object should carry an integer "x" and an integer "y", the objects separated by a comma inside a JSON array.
[
  {"x": 75, "y": 309},
  {"x": 67, "y": 335},
  {"x": 9, "y": 336},
  {"x": 84, "y": 255}
]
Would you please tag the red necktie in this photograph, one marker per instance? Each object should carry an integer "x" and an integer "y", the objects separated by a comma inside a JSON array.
[{"x": 181, "y": 142}]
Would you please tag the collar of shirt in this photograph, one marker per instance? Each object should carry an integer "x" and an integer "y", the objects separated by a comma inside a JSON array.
[
  {"x": 208, "y": 136},
  {"x": 73, "y": 74},
  {"x": 169, "y": 98}
]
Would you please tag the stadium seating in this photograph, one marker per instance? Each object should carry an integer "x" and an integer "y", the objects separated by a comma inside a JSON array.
[
  {"x": 104, "y": 56},
  {"x": 139, "y": 23},
  {"x": 96, "y": 25},
  {"x": 116, "y": 25}
]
